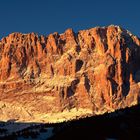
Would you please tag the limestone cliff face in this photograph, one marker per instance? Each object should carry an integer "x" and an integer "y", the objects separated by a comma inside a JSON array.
[{"x": 69, "y": 75}]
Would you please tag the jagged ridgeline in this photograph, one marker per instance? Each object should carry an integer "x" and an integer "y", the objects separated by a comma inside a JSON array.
[{"x": 60, "y": 77}]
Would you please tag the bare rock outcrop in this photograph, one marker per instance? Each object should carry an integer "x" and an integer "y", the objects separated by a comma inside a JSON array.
[{"x": 60, "y": 77}]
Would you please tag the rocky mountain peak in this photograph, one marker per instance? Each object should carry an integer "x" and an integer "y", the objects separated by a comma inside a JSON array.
[{"x": 63, "y": 76}]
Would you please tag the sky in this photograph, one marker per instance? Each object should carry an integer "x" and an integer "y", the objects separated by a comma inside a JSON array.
[{"x": 48, "y": 16}]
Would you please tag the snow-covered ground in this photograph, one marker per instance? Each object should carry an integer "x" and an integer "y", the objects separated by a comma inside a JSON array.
[{"x": 19, "y": 128}]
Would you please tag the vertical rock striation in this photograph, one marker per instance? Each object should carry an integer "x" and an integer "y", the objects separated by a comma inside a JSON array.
[{"x": 64, "y": 76}]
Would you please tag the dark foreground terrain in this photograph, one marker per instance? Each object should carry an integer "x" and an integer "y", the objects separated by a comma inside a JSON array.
[{"x": 120, "y": 125}]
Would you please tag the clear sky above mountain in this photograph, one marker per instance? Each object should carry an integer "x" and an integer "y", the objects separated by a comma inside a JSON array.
[{"x": 47, "y": 16}]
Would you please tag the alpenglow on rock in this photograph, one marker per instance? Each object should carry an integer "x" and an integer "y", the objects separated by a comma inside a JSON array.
[{"x": 66, "y": 76}]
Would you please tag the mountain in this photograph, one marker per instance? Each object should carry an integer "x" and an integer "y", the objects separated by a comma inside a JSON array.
[{"x": 68, "y": 76}]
